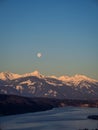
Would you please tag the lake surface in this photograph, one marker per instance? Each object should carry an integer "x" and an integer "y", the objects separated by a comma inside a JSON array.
[{"x": 68, "y": 118}]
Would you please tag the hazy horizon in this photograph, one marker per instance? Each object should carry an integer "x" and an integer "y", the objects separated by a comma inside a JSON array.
[{"x": 55, "y": 37}]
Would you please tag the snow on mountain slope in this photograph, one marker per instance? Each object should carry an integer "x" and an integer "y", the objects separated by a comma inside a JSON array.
[
  {"x": 76, "y": 80},
  {"x": 35, "y": 73},
  {"x": 8, "y": 76},
  {"x": 11, "y": 76},
  {"x": 36, "y": 85}
]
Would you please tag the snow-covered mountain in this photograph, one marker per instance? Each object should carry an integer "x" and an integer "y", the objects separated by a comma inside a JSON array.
[
  {"x": 11, "y": 76},
  {"x": 37, "y": 85},
  {"x": 76, "y": 80},
  {"x": 8, "y": 76}
]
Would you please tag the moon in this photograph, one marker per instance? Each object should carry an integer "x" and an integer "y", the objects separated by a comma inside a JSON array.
[{"x": 39, "y": 55}]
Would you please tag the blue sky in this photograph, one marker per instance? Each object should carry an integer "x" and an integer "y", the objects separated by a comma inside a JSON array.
[{"x": 64, "y": 31}]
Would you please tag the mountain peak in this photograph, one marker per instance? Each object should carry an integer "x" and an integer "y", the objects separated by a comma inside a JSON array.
[
  {"x": 8, "y": 75},
  {"x": 35, "y": 73},
  {"x": 82, "y": 77},
  {"x": 76, "y": 79}
]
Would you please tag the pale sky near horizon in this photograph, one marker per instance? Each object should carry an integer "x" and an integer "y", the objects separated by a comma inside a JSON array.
[{"x": 64, "y": 32}]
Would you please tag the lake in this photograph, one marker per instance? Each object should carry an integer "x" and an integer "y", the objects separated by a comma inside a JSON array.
[{"x": 67, "y": 118}]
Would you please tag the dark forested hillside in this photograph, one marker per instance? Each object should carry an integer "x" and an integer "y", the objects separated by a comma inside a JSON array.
[{"x": 11, "y": 104}]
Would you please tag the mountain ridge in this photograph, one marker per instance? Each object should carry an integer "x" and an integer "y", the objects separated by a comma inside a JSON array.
[
  {"x": 37, "y": 85},
  {"x": 9, "y": 75}
]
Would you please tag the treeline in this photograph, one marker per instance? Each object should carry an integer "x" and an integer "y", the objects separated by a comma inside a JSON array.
[{"x": 12, "y": 104}]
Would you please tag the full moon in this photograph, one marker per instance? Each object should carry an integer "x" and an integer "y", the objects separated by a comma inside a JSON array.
[{"x": 39, "y": 55}]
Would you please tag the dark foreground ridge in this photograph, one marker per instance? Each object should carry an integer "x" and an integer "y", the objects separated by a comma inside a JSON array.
[{"x": 12, "y": 104}]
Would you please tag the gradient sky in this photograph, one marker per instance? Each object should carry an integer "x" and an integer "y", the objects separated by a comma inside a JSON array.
[{"x": 64, "y": 31}]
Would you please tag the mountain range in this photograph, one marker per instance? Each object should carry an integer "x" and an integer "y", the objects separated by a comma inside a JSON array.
[{"x": 37, "y": 85}]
